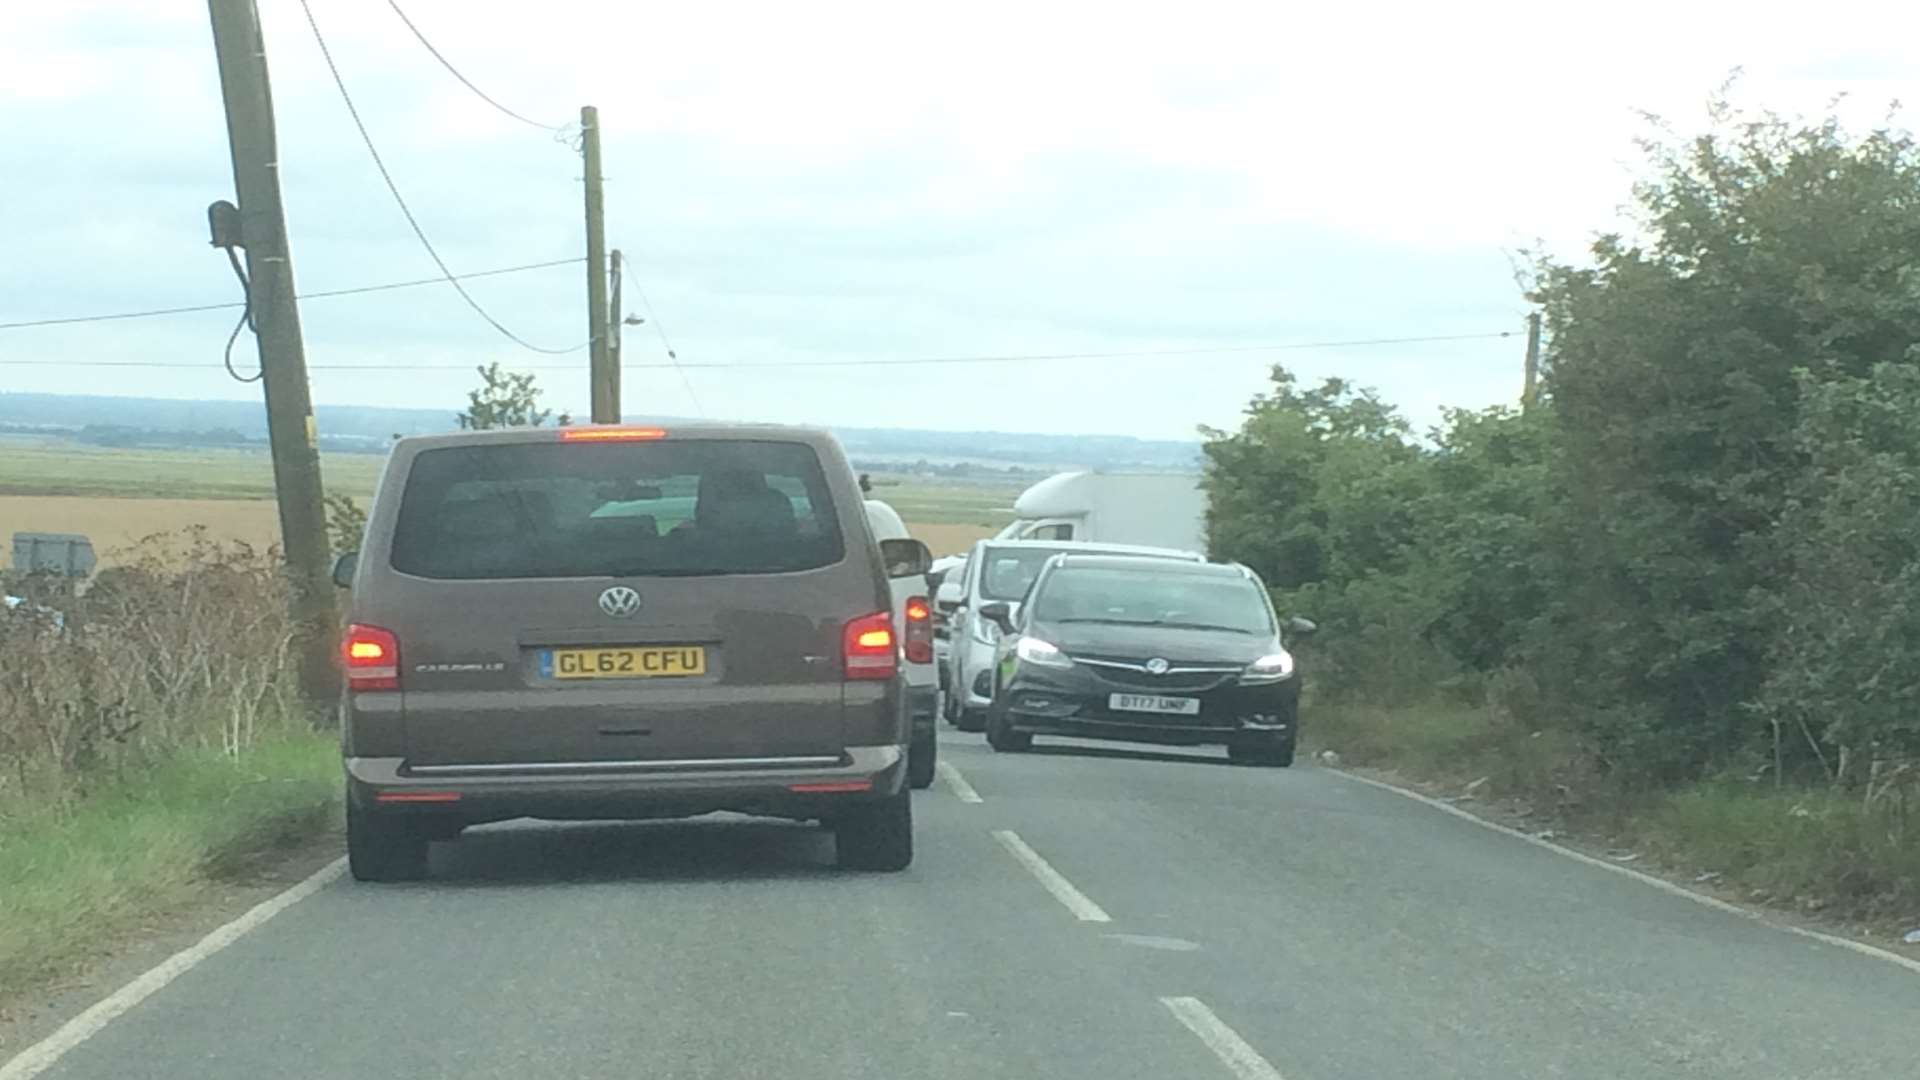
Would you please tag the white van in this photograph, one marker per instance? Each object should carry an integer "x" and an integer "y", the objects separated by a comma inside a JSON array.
[{"x": 913, "y": 611}]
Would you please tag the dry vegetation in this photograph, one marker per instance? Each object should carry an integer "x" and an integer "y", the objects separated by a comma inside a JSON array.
[{"x": 152, "y": 742}]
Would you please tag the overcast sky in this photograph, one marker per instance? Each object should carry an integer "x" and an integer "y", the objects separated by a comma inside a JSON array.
[{"x": 835, "y": 181}]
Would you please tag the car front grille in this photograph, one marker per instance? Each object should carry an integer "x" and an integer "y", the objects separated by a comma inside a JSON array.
[{"x": 1179, "y": 677}]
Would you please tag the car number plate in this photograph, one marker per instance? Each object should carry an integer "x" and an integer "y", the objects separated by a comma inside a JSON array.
[
  {"x": 1154, "y": 703},
  {"x": 639, "y": 662}
]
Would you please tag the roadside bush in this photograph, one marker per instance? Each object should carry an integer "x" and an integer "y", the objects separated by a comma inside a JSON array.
[
  {"x": 1767, "y": 248},
  {"x": 346, "y": 523},
  {"x": 180, "y": 647},
  {"x": 151, "y": 744},
  {"x": 1843, "y": 689}
]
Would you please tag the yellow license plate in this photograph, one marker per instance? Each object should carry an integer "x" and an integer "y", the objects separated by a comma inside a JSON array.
[{"x": 649, "y": 662}]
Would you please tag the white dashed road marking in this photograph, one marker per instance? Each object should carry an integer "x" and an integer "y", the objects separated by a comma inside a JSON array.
[
  {"x": 1233, "y": 1051},
  {"x": 956, "y": 783},
  {"x": 1074, "y": 900}
]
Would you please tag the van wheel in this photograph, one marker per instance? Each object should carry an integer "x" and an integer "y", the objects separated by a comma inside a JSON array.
[
  {"x": 970, "y": 719},
  {"x": 383, "y": 850},
  {"x": 921, "y": 756},
  {"x": 876, "y": 835}
]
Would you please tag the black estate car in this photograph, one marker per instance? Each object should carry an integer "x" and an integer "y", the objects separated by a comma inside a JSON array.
[{"x": 1147, "y": 650}]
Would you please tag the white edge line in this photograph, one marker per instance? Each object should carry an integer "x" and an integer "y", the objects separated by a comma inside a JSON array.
[
  {"x": 1642, "y": 877},
  {"x": 1235, "y": 1052},
  {"x": 956, "y": 783},
  {"x": 1075, "y": 901},
  {"x": 41, "y": 1056}
]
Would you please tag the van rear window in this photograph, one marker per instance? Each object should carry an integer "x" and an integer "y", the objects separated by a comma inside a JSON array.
[{"x": 525, "y": 510}]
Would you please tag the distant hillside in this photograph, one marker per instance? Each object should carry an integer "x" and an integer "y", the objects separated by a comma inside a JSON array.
[{"x": 128, "y": 421}]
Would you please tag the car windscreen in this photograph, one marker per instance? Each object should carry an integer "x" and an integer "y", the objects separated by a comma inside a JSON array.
[
  {"x": 524, "y": 510},
  {"x": 1148, "y": 598},
  {"x": 1007, "y": 573}
]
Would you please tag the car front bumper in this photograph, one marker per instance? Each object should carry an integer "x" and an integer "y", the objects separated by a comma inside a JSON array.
[
  {"x": 627, "y": 790},
  {"x": 1077, "y": 702}
]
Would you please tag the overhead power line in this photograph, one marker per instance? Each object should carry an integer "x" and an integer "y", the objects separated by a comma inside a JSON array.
[
  {"x": 673, "y": 357},
  {"x": 68, "y": 320},
  {"x": 1011, "y": 358},
  {"x": 1019, "y": 358},
  {"x": 464, "y": 81},
  {"x": 400, "y": 200}
]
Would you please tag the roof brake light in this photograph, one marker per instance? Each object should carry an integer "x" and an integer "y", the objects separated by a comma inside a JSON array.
[{"x": 612, "y": 434}]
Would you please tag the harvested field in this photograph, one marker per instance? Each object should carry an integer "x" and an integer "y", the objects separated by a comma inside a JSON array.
[{"x": 119, "y": 523}]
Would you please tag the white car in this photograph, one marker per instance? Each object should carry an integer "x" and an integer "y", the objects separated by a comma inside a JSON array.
[
  {"x": 913, "y": 612},
  {"x": 1001, "y": 570},
  {"x": 946, "y": 568}
]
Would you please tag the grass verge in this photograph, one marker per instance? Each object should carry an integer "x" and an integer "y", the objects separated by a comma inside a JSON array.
[
  {"x": 146, "y": 844},
  {"x": 1813, "y": 851}
]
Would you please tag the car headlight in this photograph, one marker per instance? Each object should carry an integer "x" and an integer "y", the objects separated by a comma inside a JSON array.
[
  {"x": 1274, "y": 667},
  {"x": 1032, "y": 650}
]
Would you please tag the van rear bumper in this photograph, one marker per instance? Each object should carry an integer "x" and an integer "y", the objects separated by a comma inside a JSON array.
[{"x": 792, "y": 788}]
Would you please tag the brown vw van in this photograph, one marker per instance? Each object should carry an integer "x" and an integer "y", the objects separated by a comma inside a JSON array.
[{"x": 621, "y": 622}]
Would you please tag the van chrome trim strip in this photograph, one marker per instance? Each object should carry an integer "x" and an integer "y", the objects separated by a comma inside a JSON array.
[{"x": 668, "y": 765}]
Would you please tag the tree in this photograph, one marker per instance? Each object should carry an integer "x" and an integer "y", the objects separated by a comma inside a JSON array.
[
  {"x": 505, "y": 399},
  {"x": 1267, "y": 504},
  {"x": 1844, "y": 670},
  {"x": 1318, "y": 491},
  {"x": 1769, "y": 248},
  {"x": 1479, "y": 540}
]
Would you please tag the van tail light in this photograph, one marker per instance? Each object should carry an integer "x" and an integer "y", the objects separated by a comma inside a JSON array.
[
  {"x": 372, "y": 658},
  {"x": 870, "y": 649},
  {"x": 918, "y": 637}
]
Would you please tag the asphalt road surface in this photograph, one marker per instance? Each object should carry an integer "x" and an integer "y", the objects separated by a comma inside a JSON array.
[{"x": 1099, "y": 912}]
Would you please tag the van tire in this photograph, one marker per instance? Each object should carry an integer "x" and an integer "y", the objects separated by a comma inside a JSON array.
[
  {"x": 876, "y": 835},
  {"x": 921, "y": 756},
  {"x": 383, "y": 849},
  {"x": 974, "y": 720}
]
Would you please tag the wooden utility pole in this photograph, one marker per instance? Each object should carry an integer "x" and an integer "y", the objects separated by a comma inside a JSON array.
[
  {"x": 242, "y": 57},
  {"x": 615, "y": 317},
  {"x": 606, "y": 381},
  {"x": 1531, "y": 388}
]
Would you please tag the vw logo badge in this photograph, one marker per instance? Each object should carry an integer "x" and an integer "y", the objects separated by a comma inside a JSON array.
[
  {"x": 1155, "y": 666},
  {"x": 620, "y": 602}
]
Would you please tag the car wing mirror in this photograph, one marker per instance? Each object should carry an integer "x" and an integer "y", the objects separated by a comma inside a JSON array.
[
  {"x": 344, "y": 568},
  {"x": 999, "y": 613},
  {"x": 1300, "y": 627},
  {"x": 906, "y": 558}
]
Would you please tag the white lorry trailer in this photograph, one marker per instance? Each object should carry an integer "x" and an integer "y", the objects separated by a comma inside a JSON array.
[{"x": 1153, "y": 509}]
